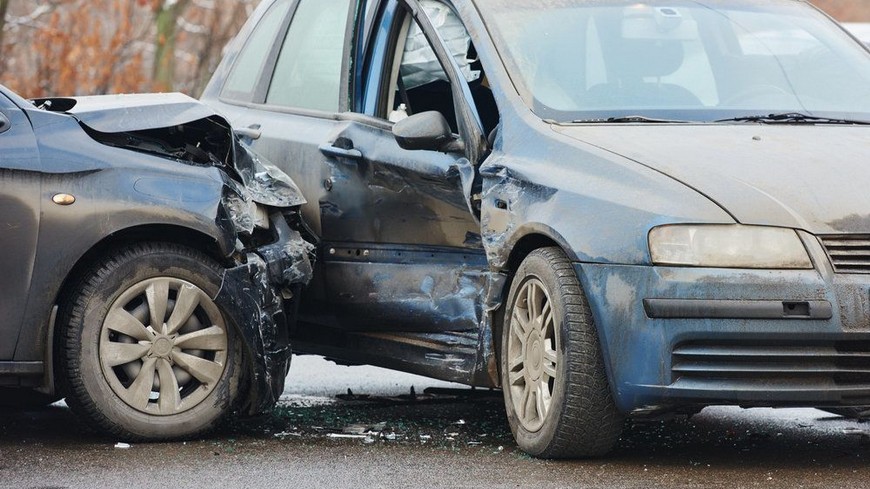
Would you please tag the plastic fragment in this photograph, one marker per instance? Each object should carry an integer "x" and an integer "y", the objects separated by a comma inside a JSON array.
[{"x": 346, "y": 436}]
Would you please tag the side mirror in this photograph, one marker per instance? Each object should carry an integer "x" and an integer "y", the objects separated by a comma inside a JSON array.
[
  {"x": 4, "y": 123},
  {"x": 426, "y": 131}
]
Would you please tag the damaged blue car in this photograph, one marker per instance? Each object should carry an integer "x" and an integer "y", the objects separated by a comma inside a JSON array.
[
  {"x": 150, "y": 263},
  {"x": 608, "y": 209}
]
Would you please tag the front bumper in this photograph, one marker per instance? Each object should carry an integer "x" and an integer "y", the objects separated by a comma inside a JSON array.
[
  {"x": 253, "y": 296},
  {"x": 674, "y": 337}
]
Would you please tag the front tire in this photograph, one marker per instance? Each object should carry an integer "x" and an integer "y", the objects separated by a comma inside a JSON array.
[
  {"x": 556, "y": 393},
  {"x": 146, "y": 352}
]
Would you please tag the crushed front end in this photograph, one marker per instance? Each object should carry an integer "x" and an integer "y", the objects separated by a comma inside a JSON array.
[
  {"x": 255, "y": 219},
  {"x": 260, "y": 206}
]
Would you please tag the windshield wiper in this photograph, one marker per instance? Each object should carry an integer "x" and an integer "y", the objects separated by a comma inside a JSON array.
[
  {"x": 629, "y": 119},
  {"x": 792, "y": 118}
]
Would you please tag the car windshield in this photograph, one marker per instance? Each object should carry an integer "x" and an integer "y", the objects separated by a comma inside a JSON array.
[{"x": 686, "y": 60}]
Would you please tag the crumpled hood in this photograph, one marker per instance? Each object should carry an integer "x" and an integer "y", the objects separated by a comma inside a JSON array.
[
  {"x": 815, "y": 178},
  {"x": 124, "y": 113},
  {"x": 175, "y": 126}
]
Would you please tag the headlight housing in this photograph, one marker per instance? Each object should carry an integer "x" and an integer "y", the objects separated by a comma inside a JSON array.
[{"x": 728, "y": 246}]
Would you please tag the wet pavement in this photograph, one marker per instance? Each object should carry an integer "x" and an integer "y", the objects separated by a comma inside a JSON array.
[{"x": 381, "y": 436}]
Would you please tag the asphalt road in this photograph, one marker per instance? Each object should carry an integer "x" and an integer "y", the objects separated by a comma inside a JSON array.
[{"x": 382, "y": 437}]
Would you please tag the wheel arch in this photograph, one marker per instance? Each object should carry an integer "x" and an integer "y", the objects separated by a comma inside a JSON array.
[
  {"x": 530, "y": 238},
  {"x": 164, "y": 233},
  {"x": 527, "y": 238}
]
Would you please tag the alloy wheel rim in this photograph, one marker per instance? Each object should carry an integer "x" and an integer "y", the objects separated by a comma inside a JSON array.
[
  {"x": 533, "y": 358},
  {"x": 163, "y": 346}
]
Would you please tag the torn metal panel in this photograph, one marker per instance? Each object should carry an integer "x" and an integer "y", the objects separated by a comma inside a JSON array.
[
  {"x": 253, "y": 294},
  {"x": 203, "y": 142},
  {"x": 403, "y": 299},
  {"x": 266, "y": 183},
  {"x": 290, "y": 258},
  {"x": 246, "y": 294},
  {"x": 499, "y": 222},
  {"x": 485, "y": 371},
  {"x": 581, "y": 197}
]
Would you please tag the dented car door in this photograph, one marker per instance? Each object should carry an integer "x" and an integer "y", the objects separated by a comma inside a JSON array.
[{"x": 403, "y": 247}]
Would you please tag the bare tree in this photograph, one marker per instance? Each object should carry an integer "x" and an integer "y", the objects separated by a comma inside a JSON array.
[
  {"x": 102, "y": 54},
  {"x": 846, "y": 10},
  {"x": 4, "y": 6},
  {"x": 205, "y": 29},
  {"x": 53, "y": 47},
  {"x": 166, "y": 16},
  {"x": 26, "y": 14}
]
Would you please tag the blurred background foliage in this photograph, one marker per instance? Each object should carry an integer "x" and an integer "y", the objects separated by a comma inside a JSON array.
[{"x": 84, "y": 47}]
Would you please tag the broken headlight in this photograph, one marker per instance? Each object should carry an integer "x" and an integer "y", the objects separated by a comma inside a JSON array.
[{"x": 728, "y": 246}]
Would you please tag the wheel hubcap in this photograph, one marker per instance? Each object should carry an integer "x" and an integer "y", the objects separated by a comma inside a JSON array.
[
  {"x": 163, "y": 346},
  {"x": 533, "y": 346}
]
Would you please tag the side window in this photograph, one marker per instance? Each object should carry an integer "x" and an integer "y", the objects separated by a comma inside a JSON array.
[
  {"x": 419, "y": 82},
  {"x": 308, "y": 73},
  {"x": 242, "y": 81}
]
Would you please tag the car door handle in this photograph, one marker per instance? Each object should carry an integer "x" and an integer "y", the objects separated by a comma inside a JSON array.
[
  {"x": 252, "y": 132},
  {"x": 334, "y": 151}
]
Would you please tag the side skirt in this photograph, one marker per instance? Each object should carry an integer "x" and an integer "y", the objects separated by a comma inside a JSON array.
[{"x": 451, "y": 356}]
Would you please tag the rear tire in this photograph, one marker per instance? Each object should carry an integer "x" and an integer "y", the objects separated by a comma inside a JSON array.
[
  {"x": 557, "y": 397},
  {"x": 146, "y": 354}
]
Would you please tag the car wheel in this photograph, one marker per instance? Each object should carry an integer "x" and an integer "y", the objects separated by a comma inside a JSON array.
[
  {"x": 555, "y": 387},
  {"x": 147, "y": 354}
]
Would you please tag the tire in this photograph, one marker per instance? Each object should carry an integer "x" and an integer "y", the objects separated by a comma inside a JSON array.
[
  {"x": 144, "y": 380},
  {"x": 556, "y": 393}
]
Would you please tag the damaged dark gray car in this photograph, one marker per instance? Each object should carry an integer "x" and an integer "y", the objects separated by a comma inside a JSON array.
[{"x": 150, "y": 263}]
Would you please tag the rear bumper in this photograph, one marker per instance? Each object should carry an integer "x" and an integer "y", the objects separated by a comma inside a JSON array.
[{"x": 680, "y": 336}]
